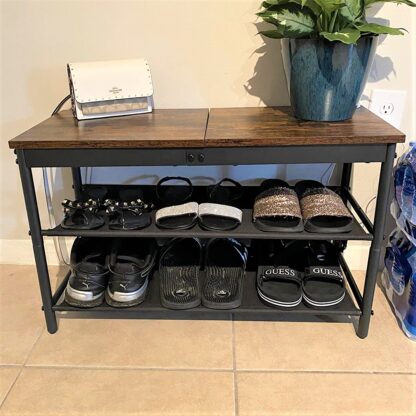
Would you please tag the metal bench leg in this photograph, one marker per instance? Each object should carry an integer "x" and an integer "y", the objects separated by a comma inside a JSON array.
[
  {"x": 77, "y": 182},
  {"x": 375, "y": 250},
  {"x": 37, "y": 241}
]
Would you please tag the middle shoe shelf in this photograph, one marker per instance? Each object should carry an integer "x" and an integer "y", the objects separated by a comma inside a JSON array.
[
  {"x": 246, "y": 230},
  {"x": 361, "y": 227}
]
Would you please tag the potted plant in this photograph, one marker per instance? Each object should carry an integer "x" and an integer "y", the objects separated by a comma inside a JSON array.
[{"x": 328, "y": 47}]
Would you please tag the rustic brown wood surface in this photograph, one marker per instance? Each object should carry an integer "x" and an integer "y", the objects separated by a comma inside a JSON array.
[
  {"x": 184, "y": 128},
  {"x": 230, "y": 127},
  {"x": 160, "y": 129}
]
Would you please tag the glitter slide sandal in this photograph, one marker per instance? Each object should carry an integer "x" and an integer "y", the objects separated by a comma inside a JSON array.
[
  {"x": 323, "y": 210},
  {"x": 225, "y": 266},
  {"x": 179, "y": 268},
  {"x": 178, "y": 217},
  {"x": 323, "y": 282},
  {"x": 219, "y": 217},
  {"x": 280, "y": 284},
  {"x": 277, "y": 208}
]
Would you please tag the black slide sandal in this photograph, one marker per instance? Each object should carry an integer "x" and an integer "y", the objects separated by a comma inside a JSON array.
[
  {"x": 280, "y": 284},
  {"x": 131, "y": 263},
  {"x": 277, "y": 208},
  {"x": 89, "y": 272},
  {"x": 219, "y": 217},
  {"x": 168, "y": 195},
  {"x": 178, "y": 217},
  {"x": 227, "y": 195},
  {"x": 179, "y": 268},
  {"x": 323, "y": 282},
  {"x": 323, "y": 210},
  {"x": 225, "y": 266},
  {"x": 130, "y": 212}
]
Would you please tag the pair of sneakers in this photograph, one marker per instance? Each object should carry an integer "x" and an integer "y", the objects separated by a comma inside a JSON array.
[{"x": 116, "y": 270}]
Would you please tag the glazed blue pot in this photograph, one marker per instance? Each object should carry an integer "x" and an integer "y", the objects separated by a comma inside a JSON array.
[{"x": 326, "y": 79}]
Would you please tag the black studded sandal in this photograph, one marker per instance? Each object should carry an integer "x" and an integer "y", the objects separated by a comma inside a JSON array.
[{"x": 82, "y": 215}]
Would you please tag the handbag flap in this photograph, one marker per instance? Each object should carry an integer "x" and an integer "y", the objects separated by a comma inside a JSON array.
[{"x": 111, "y": 80}]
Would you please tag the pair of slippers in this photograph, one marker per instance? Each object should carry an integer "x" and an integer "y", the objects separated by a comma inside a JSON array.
[
  {"x": 309, "y": 206},
  {"x": 180, "y": 269},
  {"x": 216, "y": 215},
  {"x": 308, "y": 272},
  {"x": 128, "y": 212}
]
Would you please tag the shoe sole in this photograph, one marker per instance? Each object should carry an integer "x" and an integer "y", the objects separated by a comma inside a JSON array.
[
  {"x": 83, "y": 303},
  {"x": 132, "y": 299},
  {"x": 280, "y": 304}
]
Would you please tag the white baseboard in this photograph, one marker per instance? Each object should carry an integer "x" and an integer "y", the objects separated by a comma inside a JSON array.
[{"x": 20, "y": 252}]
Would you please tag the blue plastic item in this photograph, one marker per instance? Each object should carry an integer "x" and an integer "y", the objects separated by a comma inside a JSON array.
[{"x": 400, "y": 278}]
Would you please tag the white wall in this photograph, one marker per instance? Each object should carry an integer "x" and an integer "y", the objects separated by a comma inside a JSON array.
[{"x": 203, "y": 53}]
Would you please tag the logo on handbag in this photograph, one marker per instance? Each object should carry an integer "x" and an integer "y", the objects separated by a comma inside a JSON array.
[{"x": 115, "y": 90}]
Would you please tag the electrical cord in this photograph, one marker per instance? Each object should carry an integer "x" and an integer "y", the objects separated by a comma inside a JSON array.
[
  {"x": 60, "y": 105},
  {"x": 48, "y": 196}
]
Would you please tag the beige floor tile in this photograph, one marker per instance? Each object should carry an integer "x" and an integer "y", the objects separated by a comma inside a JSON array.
[
  {"x": 320, "y": 394},
  {"x": 137, "y": 343},
  {"x": 21, "y": 317},
  {"x": 70, "y": 392},
  {"x": 7, "y": 377},
  {"x": 326, "y": 346}
]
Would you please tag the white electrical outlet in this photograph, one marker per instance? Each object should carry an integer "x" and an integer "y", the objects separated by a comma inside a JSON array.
[{"x": 389, "y": 105}]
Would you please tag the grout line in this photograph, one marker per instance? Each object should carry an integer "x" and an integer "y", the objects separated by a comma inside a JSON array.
[
  {"x": 118, "y": 368},
  {"x": 236, "y": 407},
  {"x": 386, "y": 373},
  {"x": 10, "y": 388},
  {"x": 33, "y": 346},
  {"x": 207, "y": 370}
]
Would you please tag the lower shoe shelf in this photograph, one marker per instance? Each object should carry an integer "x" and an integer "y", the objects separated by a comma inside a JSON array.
[{"x": 252, "y": 307}]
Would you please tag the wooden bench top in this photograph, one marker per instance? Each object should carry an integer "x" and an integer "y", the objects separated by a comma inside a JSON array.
[{"x": 218, "y": 127}]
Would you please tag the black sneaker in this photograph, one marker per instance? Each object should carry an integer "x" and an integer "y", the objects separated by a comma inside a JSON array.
[
  {"x": 89, "y": 264},
  {"x": 131, "y": 262}
]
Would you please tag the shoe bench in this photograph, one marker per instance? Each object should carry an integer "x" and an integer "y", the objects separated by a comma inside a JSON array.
[{"x": 198, "y": 137}]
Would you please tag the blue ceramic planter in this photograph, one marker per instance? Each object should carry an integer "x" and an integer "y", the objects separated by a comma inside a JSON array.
[{"x": 326, "y": 79}]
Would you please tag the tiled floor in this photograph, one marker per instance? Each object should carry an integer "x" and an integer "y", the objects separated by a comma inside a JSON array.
[{"x": 128, "y": 367}]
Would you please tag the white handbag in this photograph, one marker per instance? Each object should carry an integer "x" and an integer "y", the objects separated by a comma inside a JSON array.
[{"x": 110, "y": 88}]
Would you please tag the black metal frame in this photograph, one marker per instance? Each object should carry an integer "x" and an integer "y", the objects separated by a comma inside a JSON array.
[{"x": 346, "y": 154}]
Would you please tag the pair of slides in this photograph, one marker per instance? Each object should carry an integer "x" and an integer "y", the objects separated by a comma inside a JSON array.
[
  {"x": 309, "y": 206},
  {"x": 215, "y": 215},
  {"x": 302, "y": 271},
  {"x": 128, "y": 212},
  {"x": 183, "y": 285}
]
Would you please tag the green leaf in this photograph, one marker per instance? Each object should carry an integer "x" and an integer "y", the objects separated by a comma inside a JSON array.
[
  {"x": 353, "y": 10},
  {"x": 295, "y": 21},
  {"x": 368, "y": 3},
  {"x": 312, "y": 5},
  {"x": 379, "y": 29},
  {"x": 348, "y": 36},
  {"x": 329, "y": 6},
  {"x": 273, "y": 34}
]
